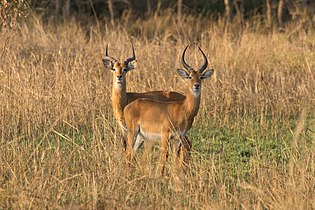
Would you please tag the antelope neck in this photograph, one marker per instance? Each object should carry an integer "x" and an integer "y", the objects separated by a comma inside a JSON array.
[
  {"x": 119, "y": 99},
  {"x": 191, "y": 103}
]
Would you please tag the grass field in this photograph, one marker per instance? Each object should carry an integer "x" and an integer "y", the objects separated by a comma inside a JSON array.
[{"x": 253, "y": 138}]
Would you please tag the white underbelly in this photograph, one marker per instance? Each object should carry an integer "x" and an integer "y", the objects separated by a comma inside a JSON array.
[
  {"x": 157, "y": 136},
  {"x": 150, "y": 136}
]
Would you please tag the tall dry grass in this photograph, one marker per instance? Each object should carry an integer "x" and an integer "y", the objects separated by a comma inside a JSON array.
[{"x": 253, "y": 139}]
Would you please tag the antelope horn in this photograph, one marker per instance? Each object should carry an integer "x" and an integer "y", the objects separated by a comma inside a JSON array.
[
  {"x": 106, "y": 55},
  {"x": 204, "y": 66},
  {"x": 186, "y": 66},
  {"x": 133, "y": 56}
]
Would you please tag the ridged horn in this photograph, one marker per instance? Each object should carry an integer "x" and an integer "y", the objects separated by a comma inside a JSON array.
[
  {"x": 133, "y": 56},
  {"x": 107, "y": 56},
  {"x": 186, "y": 66},
  {"x": 205, "y": 64}
]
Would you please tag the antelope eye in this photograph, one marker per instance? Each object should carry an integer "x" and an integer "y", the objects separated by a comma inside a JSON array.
[{"x": 189, "y": 77}]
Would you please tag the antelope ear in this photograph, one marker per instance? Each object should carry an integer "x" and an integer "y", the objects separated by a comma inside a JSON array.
[
  {"x": 108, "y": 64},
  {"x": 206, "y": 74},
  {"x": 183, "y": 73},
  {"x": 131, "y": 65}
]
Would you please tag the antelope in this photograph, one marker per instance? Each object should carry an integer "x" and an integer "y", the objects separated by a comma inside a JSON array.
[
  {"x": 120, "y": 97},
  {"x": 156, "y": 120}
]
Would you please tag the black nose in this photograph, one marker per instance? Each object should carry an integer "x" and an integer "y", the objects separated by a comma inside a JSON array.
[
  {"x": 197, "y": 86},
  {"x": 119, "y": 77}
]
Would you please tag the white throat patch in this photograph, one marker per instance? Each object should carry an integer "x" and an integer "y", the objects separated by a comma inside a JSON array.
[
  {"x": 196, "y": 93},
  {"x": 118, "y": 85}
]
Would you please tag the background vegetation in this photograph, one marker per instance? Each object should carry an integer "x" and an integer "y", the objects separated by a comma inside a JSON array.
[{"x": 253, "y": 138}]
